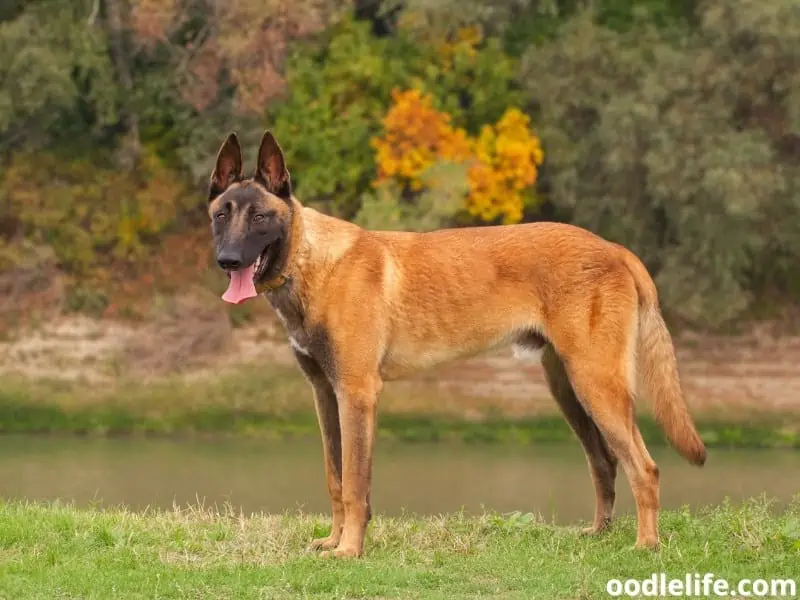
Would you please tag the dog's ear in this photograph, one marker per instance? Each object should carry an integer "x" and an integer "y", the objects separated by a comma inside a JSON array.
[
  {"x": 229, "y": 167},
  {"x": 271, "y": 168}
]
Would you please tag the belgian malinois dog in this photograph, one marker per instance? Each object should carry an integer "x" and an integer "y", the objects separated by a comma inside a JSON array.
[{"x": 362, "y": 307}]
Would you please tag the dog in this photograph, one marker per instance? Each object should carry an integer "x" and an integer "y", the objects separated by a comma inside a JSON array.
[{"x": 362, "y": 307}]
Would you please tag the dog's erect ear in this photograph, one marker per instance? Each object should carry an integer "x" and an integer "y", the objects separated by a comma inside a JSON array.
[
  {"x": 229, "y": 167},
  {"x": 271, "y": 168}
]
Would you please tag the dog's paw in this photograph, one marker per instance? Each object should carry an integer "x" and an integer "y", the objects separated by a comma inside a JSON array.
[
  {"x": 342, "y": 552},
  {"x": 325, "y": 543},
  {"x": 593, "y": 530},
  {"x": 597, "y": 528},
  {"x": 647, "y": 544}
]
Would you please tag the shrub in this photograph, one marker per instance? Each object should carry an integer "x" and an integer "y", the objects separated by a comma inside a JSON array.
[
  {"x": 443, "y": 189},
  {"x": 508, "y": 156},
  {"x": 339, "y": 89},
  {"x": 417, "y": 135}
]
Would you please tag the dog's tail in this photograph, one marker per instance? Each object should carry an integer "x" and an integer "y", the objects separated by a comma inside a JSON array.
[{"x": 658, "y": 371}]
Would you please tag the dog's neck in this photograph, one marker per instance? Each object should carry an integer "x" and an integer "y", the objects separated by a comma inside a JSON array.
[
  {"x": 314, "y": 245},
  {"x": 317, "y": 241}
]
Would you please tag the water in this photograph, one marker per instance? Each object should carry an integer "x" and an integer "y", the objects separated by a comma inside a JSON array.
[{"x": 274, "y": 476}]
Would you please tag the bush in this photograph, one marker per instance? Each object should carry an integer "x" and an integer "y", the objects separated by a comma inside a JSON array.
[{"x": 89, "y": 215}]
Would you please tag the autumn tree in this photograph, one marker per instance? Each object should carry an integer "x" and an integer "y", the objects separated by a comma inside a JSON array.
[{"x": 247, "y": 40}]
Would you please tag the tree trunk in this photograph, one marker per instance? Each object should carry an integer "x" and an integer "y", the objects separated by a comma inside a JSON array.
[{"x": 115, "y": 27}]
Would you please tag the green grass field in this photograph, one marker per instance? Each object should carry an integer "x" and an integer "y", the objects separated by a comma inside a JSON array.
[{"x": 56, "y": 551}]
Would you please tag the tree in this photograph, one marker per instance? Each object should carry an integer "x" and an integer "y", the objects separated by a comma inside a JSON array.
[{"x": 672, "y": 145}]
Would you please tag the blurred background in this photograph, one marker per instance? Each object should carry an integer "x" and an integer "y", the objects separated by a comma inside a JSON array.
[{"x": 670, "y": 126}]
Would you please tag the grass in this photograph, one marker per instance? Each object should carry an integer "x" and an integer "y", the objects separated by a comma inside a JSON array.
[
  {"x": 56, "y": 551},
  {"x": 276, "y": 401}
]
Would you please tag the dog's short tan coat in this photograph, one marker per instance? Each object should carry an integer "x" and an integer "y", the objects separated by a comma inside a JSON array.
[{"x": 362, "y": 307}]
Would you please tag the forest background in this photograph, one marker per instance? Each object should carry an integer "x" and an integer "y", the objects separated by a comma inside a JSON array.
[{"x": 670, "y": 126}]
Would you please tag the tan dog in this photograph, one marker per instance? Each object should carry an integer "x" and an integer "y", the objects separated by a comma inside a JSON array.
[{"x": 362, "y": 307}]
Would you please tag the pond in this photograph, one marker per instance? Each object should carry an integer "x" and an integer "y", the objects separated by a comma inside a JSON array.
[{"x": 273, "y": 476}]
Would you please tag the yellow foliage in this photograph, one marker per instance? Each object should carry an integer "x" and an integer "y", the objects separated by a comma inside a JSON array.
[
  {"x": 503, "y": 160},
  {"x": 508, "y": 155},
  {"x": 467, "y": 40}
]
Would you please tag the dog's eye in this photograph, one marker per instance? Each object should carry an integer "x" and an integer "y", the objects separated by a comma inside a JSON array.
[
  {"x": 220, "y": 216},
  {"x": 259, "y": 217}
]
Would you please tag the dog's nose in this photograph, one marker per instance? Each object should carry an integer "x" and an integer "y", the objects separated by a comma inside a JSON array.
[{"x": 229, "y": 261}]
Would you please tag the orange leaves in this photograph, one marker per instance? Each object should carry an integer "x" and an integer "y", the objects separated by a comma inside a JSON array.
[
  {"x": 417, "y": 135},
  {"x": 502, "y": 160}
]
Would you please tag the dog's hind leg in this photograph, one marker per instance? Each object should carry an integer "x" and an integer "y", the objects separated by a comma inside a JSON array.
[
  {"x": 602, "y": 463},
  {"x": 609, "y": 402},
  {"x": 600, "y": 378},
  {"x": 328, "y": 416}
]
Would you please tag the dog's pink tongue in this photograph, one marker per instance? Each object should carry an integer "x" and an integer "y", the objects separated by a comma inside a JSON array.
[{"x": 241, "y": 286}]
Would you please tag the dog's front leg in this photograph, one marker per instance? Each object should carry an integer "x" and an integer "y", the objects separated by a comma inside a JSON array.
[
  {"x": 358, "y": 404},
  {"x": 328, "y": 417}
]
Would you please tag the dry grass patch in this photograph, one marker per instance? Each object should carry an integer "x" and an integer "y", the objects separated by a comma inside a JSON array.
[{"x": 184, "y": 332}]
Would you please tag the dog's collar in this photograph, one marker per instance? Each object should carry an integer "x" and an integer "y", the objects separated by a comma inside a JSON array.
[{"x": 270, "y": 285}]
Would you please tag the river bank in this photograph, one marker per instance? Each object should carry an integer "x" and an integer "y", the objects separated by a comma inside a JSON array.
[
  {"x": 269, "y": 401},
  {"x": 191, "y": 373}
]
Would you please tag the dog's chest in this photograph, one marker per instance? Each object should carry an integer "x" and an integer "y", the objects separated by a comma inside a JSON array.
[
  {"x": 298, "y": 337},
  {"x": 293, "y": 322}
]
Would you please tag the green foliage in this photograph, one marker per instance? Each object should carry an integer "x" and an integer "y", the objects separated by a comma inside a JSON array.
[
  {"x": 671, "y": 126},
  {"x": 82, "y": 298},
  {"x": 84, "y": 211},
  {"x": 672, "y": 148},
  {"x": 55, "y": 74},
  {"x": 476, "y": 85},
  {"x": 621, "y": 15},
  {"x": 520, "y": 23},
  {"x": 445, "y": 186},
  {"x": 340, "y": 90}
]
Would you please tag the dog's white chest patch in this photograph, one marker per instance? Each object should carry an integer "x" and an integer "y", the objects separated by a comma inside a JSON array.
[
  {"x": 298, "y": 347},
  {"x": 294, "y": 335}
]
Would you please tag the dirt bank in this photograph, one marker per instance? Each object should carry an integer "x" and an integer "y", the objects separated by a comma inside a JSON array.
[{"x": 722, "y": 376}]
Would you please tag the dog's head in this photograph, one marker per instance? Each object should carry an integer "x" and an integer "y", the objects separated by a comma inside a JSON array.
[{"x": 250, "y": 217}]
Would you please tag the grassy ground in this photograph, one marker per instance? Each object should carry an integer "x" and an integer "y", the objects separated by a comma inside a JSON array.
[
  {"x": 276, "y": 400},
  {"x": 55, "y": 551}
]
